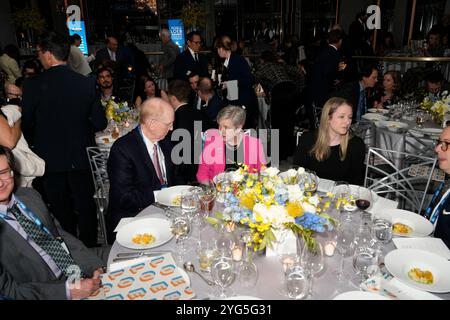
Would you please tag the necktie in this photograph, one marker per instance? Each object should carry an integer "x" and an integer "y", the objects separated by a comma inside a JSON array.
[
  {"x": 196, "y": 57},
  {"x": 156, "y": 163},
  {"x": 46, "y": 241},
  {"x": 113, "y": 56}
]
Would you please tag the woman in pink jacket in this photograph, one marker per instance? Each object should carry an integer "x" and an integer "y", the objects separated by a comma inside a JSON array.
[{"x": 228, "y": 146}]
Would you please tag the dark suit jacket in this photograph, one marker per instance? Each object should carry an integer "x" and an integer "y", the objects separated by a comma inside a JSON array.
[
  {"x": 324, "y": 72},
  {"x": 238, "y": 69},
  {"x": 185, "y": 117},
  {"x": 23, "y": 272},
  {"x": 215, "y": 104},
  {"x": 61, "y": 112},
  {"x": 133, "y": 177},
  {"x": 123, "y": 56},
  {"x": 185, "y": 65},
  {"x": 351, "y": 92}
]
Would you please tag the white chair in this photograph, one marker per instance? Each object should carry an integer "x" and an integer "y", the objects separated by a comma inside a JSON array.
[
  {"x": 98, "y": 158},
  {"x": 407, "y": 184}
]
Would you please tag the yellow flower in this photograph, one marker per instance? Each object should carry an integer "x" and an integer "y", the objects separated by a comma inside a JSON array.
[
  {"x": 247, "y": 201},
  {"x": 294, "y": 209}
]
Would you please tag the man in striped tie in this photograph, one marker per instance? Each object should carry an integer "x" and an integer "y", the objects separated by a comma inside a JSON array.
[
  {"x": 38, "y": 259},
  {"x": 440, "y": 213}
]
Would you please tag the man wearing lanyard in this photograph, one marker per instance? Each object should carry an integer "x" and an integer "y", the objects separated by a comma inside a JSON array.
[
  {"x": 440, "y": 213},
  {"x": 38, "y": 259},
  {"x": 140, "y": 163}
]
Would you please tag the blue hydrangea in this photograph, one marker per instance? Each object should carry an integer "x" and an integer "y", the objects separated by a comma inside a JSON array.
[{"x": 313, "y": 222}]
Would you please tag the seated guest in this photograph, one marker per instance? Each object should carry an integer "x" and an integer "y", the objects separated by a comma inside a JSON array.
[
  {"x": 191, "y": 120},
  {"x": 389, "y": 93},
  {"x": 194, "y": 98},
  {"x": 105, "y": 83},
  {"x": 356, "y": 91},
  {"x": 229, "y": 145},
  {"x": 213, "y": 103},
  {"x": 30, "y": 68},
  {"x": 434, "y": 85},
  {"x": 439, "y": 209},
  {"x": 140, "y": 163},
  {"x": 36, "y": 254},
  {"x": 147, "y": 88},
  {"x": 332, "y": 152}
]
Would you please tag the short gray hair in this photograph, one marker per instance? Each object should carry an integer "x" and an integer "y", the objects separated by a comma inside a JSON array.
[{"x": 236, "y": 114}]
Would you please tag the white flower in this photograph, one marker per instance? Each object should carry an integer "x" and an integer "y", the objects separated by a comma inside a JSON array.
[
  {"x": 314, "y": 200},
  {"x": 271, "y": 171},
  {"x": 291, "y": 173},
  {"x": 236, "y": 176},
  {"x": 301, "y": 171},
  {"x": 295, "y": 194},
  {"x": 308, "y": 207}
]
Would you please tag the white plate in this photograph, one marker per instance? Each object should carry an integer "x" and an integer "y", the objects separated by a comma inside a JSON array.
[
  {"x": 400, "y": 261},
  {"x": 360, "y": 295},
  {"x": 169, "y": 196},
  {"x": 374, "y": 117},
  {"x": 375, "y": 110},
  {"x": 105, "y": 139},
  {"x": 159, "y": 228},
  {"x": 392, "y": 125},
  {"x": 421, "y": 227},
  {"x": 242, "y": 298}
]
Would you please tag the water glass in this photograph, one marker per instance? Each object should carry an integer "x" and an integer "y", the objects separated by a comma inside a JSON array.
[
  {"x": 365, "y": 261},
  {"x": 189, "y": 204},
  {"x": 181, "y": 228},
  {"x": 206, "y": 252},
  {"x": 312, "y": 262},
  {"x": 382, "y": 230},
  {"x": 297, "y": 282},
  {"x": 223, "y": 273},
  {"x": 248, "y": 274}
]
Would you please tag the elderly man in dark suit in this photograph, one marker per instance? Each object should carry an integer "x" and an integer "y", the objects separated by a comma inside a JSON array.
[
  {"x": 140, "y": 163},
  {"x": 212, "y": 103},
  {"x": 61, "y": 112},
  {"x": 193, "y": 122},
  {"x": 190, "y": 60},
  {"x": 38, "y": 259},
  {"x": 122, "y": 56}
]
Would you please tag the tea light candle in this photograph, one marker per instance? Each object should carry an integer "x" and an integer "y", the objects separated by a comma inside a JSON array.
[
  {"x": 287, "y": 261},
  {"x": 236, "y": 253},
  {"x": 329, "y": 248}
]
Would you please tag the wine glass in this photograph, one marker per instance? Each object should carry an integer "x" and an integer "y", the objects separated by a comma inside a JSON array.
[
  {"x": 222, "y": 273},
  {"x": 181, "y": 228},
  {"x": 309, "y": 181},
  {"x": 363, "y": 199},
  {"x": 206, "y": 198},
  {"x": 344, "y": 244},
  {"x": 189, "y": 203},
  {"x": 365, "y": 261},
  {"x": 312, "y": 261},
  {"x": 420, "y": 119}
]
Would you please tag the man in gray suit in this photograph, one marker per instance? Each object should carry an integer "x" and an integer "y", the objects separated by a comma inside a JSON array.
[
  {"x": 167, "y": 60},
  {"x": 38, "y": 259}
]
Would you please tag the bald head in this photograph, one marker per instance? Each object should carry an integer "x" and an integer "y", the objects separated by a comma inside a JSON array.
[{"x": 157, "y": 118}]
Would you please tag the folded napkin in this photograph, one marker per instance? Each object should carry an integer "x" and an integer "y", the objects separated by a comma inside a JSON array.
[{"x": 150, "y": 278}]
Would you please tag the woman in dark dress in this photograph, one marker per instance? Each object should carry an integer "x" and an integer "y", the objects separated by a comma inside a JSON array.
[
  {"x": 332, "y": 152},
  {"x": 148, "y": 88}
]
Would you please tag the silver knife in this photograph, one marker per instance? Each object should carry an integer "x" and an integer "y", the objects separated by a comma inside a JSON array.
[{"x": 143, "y": 253}]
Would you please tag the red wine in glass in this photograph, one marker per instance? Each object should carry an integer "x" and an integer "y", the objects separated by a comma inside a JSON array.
[{"x": 362, "y": 204}]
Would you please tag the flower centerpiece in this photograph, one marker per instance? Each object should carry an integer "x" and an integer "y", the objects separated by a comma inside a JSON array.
[
  {"x": 117, "y": 111},
  {"x": 269, "y": 202},
  {"x": 437, "y": 106}
]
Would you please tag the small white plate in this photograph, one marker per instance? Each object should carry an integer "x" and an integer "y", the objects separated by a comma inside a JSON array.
[
  {"x": 159, "y": 228},
  {"x": 375, "y": 110},
  {"x": 421, "y": 227},
  {"x": 392, "y": 125},
  {"x": 360, "y": 295},
  {"x": 104, "y": 140},
  {"x": 374, "y": 117},
  {"x": 399, "y": 262},
  {"x": 171, "y": 196}
]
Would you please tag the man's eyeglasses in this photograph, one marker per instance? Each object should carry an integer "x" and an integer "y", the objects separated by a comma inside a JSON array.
[
  {"x": 6, "y": 174},
  {"x": 13, "y": 95},
  {"x": 444, "y": 144}
]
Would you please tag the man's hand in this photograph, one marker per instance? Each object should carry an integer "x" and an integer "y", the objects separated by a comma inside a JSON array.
[{"x": 86, "y": 287}]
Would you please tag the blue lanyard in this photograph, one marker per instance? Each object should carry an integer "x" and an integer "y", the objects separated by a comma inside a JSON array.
[
  {"x": 30, "y": 214},
  {"x": 430, "y": 208}
]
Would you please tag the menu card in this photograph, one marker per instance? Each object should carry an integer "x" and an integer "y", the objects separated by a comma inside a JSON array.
[{"x": 155, "y": 278}]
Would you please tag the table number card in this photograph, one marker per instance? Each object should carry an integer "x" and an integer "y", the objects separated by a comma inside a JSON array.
[{"x": 156, "y": 278}]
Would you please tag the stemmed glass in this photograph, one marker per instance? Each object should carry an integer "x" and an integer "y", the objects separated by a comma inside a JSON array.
[
  {"x": 189, "y": 203},
  {"x": 181, "y": 228},
  {"x": 248, "y": 272},
  {"x": 420, "y": 119},
  {"x": 382, "y": 233},
  {"x": 364, "y": 198},
  {"x": 223, "y": 273},
  {"x": 312, "y": 261},
  {"x": 206, "y": 197},
  {"x": 310, "y": 181},
  {"x": 344, "y": 244}
]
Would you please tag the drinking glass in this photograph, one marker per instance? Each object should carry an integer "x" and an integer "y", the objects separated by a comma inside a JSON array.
[
  {"x": 420, "y": 119},
  {"x": 344, "y": 245},
  {"x": 207, "y": 252},
  {"x": 297, "y": 282},
  {"x": 365, "y": 261},
  {"x": 340, "y": 193},
  {"x": 189, "y": 204},
  {"x": 222, "y": 273},
  {"x": 181, "y": 228},
  {"x": 382, "y": 232},
  {"x": 206, "y": 197},
  {"x": 309, "y": 181},
  {"x": 364, "y": 198},
  {"x": 312, "y": 262}
]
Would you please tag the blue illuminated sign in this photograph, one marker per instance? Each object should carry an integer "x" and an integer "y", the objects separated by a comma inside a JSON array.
[
  {"x": 176, "y": 30},
  {"x": 79, "y": 28}
]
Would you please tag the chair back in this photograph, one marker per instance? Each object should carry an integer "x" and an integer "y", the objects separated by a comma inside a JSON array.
[
  {"x": 126, "y": 90},
  {"x": 408, "y": 183},
  {"x": 98, "y": 159}
]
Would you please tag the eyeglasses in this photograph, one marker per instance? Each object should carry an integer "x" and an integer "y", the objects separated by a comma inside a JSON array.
[
  {"x": 444, "y": 144},
  {"x": 6, "y": 174},
  {"x": 17, "y": 95}
]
